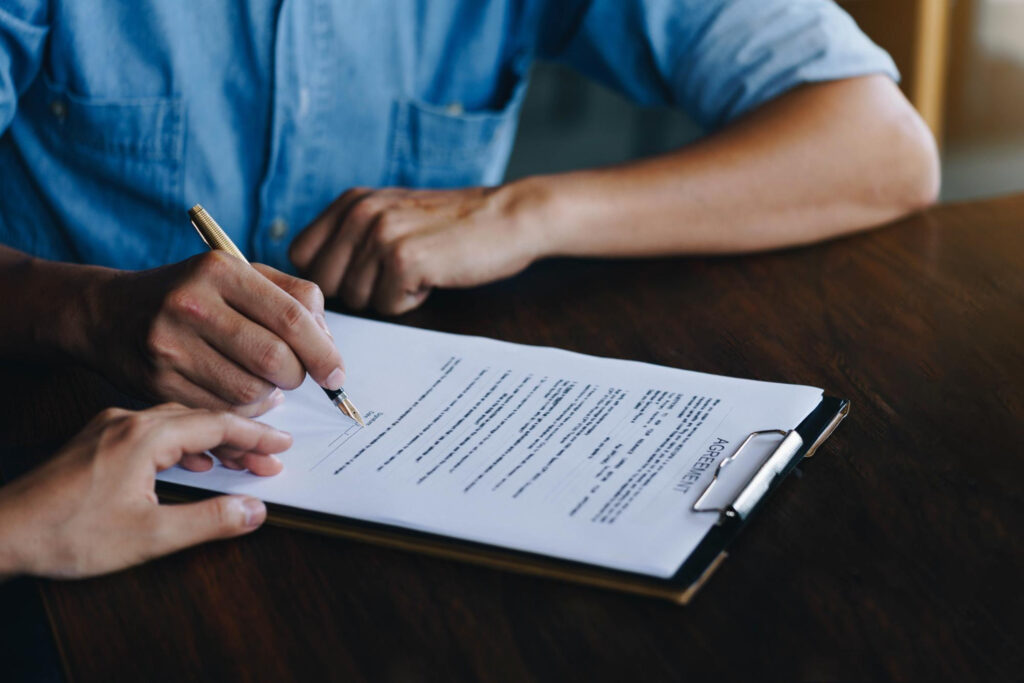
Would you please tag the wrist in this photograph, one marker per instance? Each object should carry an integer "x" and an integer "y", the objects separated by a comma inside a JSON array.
[
  {"x": 532, "y": 207},
  {"x": 70, "y": 321},
  {"x": 558, "y": 211},
  {"x": 12, "y": 561}
]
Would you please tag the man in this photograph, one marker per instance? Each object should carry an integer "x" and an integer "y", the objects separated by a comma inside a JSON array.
[{"x": 117, "y": 116}]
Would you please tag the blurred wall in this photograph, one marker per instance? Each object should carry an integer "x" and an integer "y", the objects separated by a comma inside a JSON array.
[
  {"x": 568, "y": 122},
  {"x": 984, "y": 138}
]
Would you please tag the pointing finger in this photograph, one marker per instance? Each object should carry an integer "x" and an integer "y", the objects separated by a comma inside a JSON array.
[{"x": 200, "y": 430}]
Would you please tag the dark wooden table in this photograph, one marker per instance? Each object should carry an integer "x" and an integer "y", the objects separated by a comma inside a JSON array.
[{"x": 897, "y": 554}]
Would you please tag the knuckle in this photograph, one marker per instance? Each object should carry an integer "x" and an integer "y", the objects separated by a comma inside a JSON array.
[
  {"x": 207, "y": 413},
  {"x": 249, "y": 410},
  {"x": 364, "y": 210},
  {"x": 292, "y": 380},
  {"x": 218, "y": 417},
  {"x": 108, "y": 415},
  {"x": 292, "y": 314},
  {"x": 185, "y": 303},
  {"x": 353, "y": 193},
  {"x": 250, "y": 392},
  {"x": 160, "y": 344},
  {"x": 136, "y": 425},
  {"x": 324, "y": 363},
  {"x": 309, "y": 294},
  {"x": 213, "y": 264},
  {"x": 384, "y": 230},
  {"x": 272, "y": 358},
  {"x": 234, "y": 326},
  {"x": 402, "y": 257},
  {"x": 167, "y": 405},
  {"x": 224, "y": 513}
]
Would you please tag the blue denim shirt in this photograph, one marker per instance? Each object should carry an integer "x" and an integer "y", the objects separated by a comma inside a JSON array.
[{"x": 117, "y": 116}]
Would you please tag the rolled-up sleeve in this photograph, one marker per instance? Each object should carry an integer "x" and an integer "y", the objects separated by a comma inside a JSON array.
[
  {"x": 717, "y": 59},
  {"x": 23, "y": 30}
]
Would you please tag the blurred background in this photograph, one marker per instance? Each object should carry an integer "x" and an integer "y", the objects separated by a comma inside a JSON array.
[{"x": 962, "y": 63}]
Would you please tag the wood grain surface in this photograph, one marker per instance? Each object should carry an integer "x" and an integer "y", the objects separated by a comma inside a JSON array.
[{"x": 897, "y": 554}]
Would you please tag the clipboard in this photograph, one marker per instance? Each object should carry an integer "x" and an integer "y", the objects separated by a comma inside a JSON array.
[{"x": 733, "y": 515}]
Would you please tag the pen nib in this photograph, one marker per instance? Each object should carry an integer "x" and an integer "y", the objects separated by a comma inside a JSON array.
[
  {"x": 349, "y": 410},
  {"x": 354, "y": 413}
]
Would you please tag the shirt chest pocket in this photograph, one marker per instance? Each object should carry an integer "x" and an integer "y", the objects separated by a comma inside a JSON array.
[
  {"x": 434, "y": 146},
  {"x": 122, "y": 158}
]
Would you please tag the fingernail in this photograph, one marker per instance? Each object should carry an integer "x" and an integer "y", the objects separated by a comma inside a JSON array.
[
  {"x": 335, "y": 380},
  {"x": 322, "y": 322},
  {"x": 255, "y": 512},
  {"x": 276, "y": 398}
]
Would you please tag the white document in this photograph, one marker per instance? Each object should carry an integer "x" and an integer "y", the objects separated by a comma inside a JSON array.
[{"x": 536, "y": 449}]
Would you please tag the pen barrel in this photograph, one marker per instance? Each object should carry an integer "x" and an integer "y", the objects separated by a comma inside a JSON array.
[{"x": 212, "y": 233}]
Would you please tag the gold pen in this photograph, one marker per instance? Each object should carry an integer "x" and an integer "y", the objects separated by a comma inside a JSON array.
[{"x": 216, "y": 238}]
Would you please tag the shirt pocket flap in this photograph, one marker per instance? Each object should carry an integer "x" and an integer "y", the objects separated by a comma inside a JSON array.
[
  {"x": 102, "y": 157},
  {"x": 438, "y": 136},
  {"x": 146, "y": 128},
  {"x": 444, "y": 146}
]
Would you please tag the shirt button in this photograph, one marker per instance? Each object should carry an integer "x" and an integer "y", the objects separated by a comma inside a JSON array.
[
  {"x": 455, "y": 109},
  {"x": 278, "y": 229},
  {"x": 59, "y": 108}
]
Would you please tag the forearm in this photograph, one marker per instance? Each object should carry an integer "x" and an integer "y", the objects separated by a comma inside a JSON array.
[
  {"x": 818, "y": 162},
  {"x": 10, "y": 566},
  {"x": 48, "y": 307},
  {"x": 13, "y": 549}
]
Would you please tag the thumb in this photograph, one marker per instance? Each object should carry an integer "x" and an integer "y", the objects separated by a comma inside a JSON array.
[{"x": 189, "y": 524}]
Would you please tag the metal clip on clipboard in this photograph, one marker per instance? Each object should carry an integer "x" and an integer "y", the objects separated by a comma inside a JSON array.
[{"x": 761, "y": 480}]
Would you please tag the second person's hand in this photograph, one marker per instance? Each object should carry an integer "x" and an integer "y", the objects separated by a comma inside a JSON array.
[
  {"x": 92, "y": 508},
  {"x": 210, "y": 332},
  {"x": 388, "y": 248}
]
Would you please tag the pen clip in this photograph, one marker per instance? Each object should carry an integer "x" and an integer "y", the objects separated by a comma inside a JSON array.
[{"x": 201, "y": 235}]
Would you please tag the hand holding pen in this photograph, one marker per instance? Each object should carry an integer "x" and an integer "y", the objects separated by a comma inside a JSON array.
[
  {"x": 207, "y": 332},
  {"x": 216, "y": 239}
]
